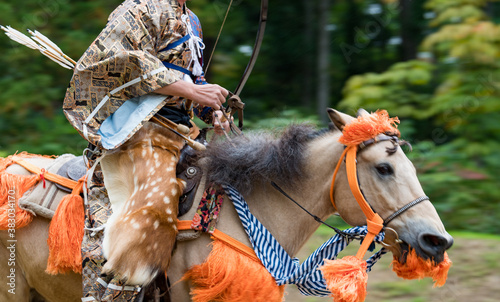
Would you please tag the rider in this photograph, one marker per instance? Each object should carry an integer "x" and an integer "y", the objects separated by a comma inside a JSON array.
[{"x": 146, "y": 61}]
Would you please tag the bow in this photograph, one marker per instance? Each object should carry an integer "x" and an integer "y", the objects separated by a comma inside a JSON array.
[
  {"x": 234, "y": 102},
  {"x": 256, "y": 48}
]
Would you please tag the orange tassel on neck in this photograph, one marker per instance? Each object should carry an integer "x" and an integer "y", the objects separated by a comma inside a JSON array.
[
  {"x": 66, "y": 234},
  {"x": 346, "y": 278},
  {"x": 416, "y": 267}
]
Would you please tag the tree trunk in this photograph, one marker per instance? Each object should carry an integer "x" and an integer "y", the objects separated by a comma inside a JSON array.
[
  {"x": 323, "y": 59},
  {"x": 410, "y": 32},
  {"x": 308, "y": 56}
]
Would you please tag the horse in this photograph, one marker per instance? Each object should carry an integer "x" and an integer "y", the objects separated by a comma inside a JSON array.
[{"x": 302, "y": 161}]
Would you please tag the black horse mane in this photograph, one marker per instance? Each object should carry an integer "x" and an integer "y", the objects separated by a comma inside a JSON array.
[{"x": 260, "y": 157}]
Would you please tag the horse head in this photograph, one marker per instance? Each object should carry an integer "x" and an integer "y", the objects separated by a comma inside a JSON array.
[
  {"x": 389, "y": 183},
  {"x": 272, "y": 169}
]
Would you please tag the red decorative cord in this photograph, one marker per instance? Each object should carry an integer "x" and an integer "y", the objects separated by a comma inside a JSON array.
[{"x": 42, "y": 177}]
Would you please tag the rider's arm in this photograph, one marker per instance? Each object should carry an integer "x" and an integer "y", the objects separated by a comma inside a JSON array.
[{"x": 210, "y": 95}]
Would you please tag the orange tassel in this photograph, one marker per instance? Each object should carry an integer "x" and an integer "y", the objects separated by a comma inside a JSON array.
[
  {"x": 346, "y": 278},
  {"x": 416, "y": 267},
  {"x": 231, "y": 276},
  {"x": 66, "y": 234},
  {"x": 17, "y": 184}
]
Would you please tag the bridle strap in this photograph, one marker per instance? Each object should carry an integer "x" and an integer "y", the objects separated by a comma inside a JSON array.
[
  {"x": 374, "y": 222},
  {"x": 335, "y": 177},
  {"x": 363, "y": 145},
  {"x": 404, "y": 208},
  {"x": 352, "y": 178}
]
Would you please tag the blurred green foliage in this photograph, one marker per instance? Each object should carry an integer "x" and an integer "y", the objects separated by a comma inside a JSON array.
[
  {"x": 448, "y": 100},
  {"x": 32, "y": 86},
  {"x": 449, "y": 106}
]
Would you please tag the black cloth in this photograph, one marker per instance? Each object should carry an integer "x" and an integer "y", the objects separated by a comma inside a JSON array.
[{"x": 176, "y": 115}]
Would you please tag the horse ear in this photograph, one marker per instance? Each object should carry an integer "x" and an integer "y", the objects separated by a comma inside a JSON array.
[
  {"x": 362, "y": 112},
  {"x": 338, "y": 118}
]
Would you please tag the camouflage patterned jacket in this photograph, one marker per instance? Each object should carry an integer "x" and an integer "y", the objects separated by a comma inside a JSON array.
[{"x": 132, "y": 47}]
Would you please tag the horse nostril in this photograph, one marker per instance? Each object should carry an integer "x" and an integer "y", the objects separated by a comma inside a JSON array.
[{"x": 434, "y": 245}]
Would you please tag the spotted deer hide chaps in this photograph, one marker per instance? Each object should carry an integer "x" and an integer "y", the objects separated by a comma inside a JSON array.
[{"x": 144, "y": 191}]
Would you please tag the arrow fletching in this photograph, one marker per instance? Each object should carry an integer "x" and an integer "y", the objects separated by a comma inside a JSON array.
[
  {"x": 40, "y": 42},
  {"x": 20, "y": 38}
]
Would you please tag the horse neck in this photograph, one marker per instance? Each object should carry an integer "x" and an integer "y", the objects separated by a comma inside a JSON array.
[{"x": 289, "y": 224}]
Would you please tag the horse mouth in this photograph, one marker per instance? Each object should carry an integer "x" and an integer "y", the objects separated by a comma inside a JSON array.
[
  {"x": 414, "y": 264},
  {"x": 405, "y": 249}
]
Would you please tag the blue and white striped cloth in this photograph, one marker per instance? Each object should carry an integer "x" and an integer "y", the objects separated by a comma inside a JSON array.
[{"x": 287, "y": 270}]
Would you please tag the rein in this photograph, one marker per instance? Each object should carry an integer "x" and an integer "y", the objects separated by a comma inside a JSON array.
[{"x": 338, "y": 231}]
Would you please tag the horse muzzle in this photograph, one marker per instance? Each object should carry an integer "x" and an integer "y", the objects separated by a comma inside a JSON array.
[
  {"x": 434, "y": 245},
  {"x": 429, "y": 245}
]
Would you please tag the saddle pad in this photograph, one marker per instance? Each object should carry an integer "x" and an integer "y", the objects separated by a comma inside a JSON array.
[{"x": 42, "y": 201}]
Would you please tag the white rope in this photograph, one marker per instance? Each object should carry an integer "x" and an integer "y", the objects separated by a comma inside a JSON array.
[
  {"x": 96, "y": 230},
  {"x": 102, "y": 282},
  {"x": 117, "y": 287},
  {"x": 195, "y": 44},
  {"x": 88, "y": 177}
]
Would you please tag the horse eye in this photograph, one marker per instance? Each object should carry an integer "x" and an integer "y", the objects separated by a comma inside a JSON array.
[{"x": 384, "y": 169}]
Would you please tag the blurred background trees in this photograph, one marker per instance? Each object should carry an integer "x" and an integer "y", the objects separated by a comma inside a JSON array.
[{"x": 433, "y": 63}]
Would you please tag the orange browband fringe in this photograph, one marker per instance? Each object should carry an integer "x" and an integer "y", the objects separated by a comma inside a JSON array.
[
  {"x": 417, "y": 268},
  {"x": 231, "y": 276},
  {"x": 367, "y": 127}
]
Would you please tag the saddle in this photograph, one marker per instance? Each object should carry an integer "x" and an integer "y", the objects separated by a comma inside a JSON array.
[
  {"x": 73, "y": 169},
  {"x": 188, "y": 171}
]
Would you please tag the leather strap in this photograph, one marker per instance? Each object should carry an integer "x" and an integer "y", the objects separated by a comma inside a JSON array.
[
  {"x": 335, "y": 177},
  {"x": 184, "y": 225},
  {"x": 374, "y": 222},
  {"x": 63, "y": 181}
]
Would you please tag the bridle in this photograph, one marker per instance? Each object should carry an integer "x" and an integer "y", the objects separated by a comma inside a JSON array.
[{"x": 374, "y": 222}]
